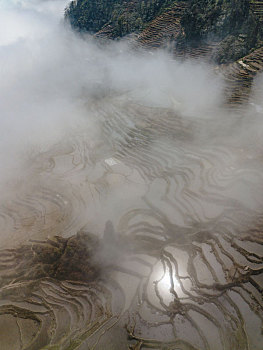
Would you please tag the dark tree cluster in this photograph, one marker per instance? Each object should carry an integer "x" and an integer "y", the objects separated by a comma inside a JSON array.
[
  {"x": 124, "y": 17},
  {"x": 231, "y": 22}
]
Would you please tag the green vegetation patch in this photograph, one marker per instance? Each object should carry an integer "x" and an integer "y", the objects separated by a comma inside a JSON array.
[{"x": 124, "y": 17}]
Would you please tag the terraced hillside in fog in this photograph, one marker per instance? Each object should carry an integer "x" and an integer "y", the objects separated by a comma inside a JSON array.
[
  {"x": 234, "y": 25},
  {"x": 138, "y": 223},
  {"x": 192, "y": 29}
]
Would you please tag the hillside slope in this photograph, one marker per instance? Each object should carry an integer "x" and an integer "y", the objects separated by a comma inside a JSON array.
[
  {"x": 123, "y": 17},
  {"x": 234, "y": 25},
  {"x": 226, "y": 32}
]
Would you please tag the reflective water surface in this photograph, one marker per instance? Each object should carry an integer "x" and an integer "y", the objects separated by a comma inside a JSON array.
[{"x": 168, "y": 255}]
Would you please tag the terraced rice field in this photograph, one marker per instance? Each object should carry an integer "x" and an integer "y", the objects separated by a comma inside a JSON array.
[
  {"x": 146, "y": 234},
  {"x": 176, "y": 260},
  {"x": 239, "y": 76},
  {"x": 257, "y": 7},
  {"x": 164, "y": 29}
]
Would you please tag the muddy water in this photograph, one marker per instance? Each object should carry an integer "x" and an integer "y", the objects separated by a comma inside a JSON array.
[{"x": 177, "y": 205}]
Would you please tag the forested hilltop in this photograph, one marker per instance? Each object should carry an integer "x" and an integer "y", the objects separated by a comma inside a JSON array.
[
  {"x": 124, "y": 17},
  {"x": 235, "y": 25}
]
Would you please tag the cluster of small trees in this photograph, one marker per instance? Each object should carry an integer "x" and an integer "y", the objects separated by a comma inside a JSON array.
[{"x": 124, "y": 16}]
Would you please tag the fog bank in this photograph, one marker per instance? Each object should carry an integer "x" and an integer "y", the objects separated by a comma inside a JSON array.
[{"x": 57, "y": 86}]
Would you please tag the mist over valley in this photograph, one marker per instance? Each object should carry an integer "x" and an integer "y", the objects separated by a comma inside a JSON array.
[{"x": 131, "y": 179}]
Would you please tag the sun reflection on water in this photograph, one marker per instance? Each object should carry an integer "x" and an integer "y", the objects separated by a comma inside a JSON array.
[
  {"x": 164, "y": 284},
  {"x": 167, "y": 281}
]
